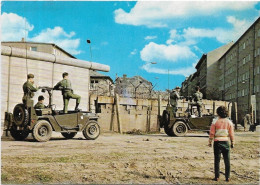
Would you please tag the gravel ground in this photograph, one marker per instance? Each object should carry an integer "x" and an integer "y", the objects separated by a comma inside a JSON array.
[{"x": 126, "y": 159}]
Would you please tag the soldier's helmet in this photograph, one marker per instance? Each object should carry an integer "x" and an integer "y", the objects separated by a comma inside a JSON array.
[
  {"x": 177, "y": 87},
  {"x": 30, "y": 76}
]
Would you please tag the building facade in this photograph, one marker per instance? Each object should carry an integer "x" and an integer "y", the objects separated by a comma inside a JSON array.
[
  {"x": 100, "y": 84},
  {"x": 240, "y": 73},
  {"x": 135, "y": 87},
  {"x": 40, "y": 47},
  {"x": 207, "y": 71}
]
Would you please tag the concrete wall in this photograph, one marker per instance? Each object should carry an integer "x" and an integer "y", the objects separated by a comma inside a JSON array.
[
  {"x": 47, "y": 70},
  {"x": 136, "y": 113}
]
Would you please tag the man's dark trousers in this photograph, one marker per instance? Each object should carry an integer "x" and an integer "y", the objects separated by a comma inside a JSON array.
[{"x": 224, "y": 148}]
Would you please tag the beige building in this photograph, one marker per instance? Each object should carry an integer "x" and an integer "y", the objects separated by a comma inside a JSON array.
[
  {"x": 40, "y": 47},
  {"x": 240, "y": 72}
]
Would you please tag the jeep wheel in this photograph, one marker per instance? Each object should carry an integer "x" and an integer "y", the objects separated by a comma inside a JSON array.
[
  {"x": 20, "y": 115},
  {"x": 68, "y": 135},
  {"x": 166, "y": 122},
  {"x": 19, "y": 135},
  {"x": 42, "y": 131},
  {"x": 179, "y": 128},
  {"x": 92, "y": 130}
]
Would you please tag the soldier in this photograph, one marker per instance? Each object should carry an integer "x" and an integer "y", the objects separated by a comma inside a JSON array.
[
  {"x": 197, "y": 97},
  {"x": 28, "y": 88},
  {"x": 174, "y": 97},
  {"x": 39, "y": 104},
  {"x": 67, "y": 92}
]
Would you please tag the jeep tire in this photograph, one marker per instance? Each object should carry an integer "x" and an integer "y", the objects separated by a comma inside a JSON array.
[
  {"x": 179, "y": 128},
  {"x": 68, "y": 135},
  {"x": 19, "y": 135},
  {"x": 92, "y": 130},
  {"x": 42, "y": 131}
]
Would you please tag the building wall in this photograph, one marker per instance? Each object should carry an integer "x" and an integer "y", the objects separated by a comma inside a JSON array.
[
  {"x": 14, "y": 74},
  {"x": 101, "y": 86},
  {"x": 137, "y": 114},
  {"x": 46, "y": 48},
  {"x": 241, "y": 72},
  {"x": 213, "y": 72}
]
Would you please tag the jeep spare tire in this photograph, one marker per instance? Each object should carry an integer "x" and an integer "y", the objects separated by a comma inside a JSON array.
[{"x": 20, "y": 115}]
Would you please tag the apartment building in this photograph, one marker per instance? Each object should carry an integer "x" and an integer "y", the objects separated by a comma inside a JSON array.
[
  {"x": 240, "y": 73},
  {"x": 205, "y": 75}
]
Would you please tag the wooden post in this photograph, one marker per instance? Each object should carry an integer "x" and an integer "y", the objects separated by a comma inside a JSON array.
[
  {"x": 118, "y": 114},
  {"x": 235, "y": 108},
  {"x": 112, "y": 116},
  {"x": 214, "y": 108},
  {"x": 159, "y": 111}
]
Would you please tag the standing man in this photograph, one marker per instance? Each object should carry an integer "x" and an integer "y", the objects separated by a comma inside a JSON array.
[
  {"x": 174, "y": 97},
  {"x": 67, "y": 92},
  {"x": 197, "y": 97},
  {"x": 247, "y": 121},
  {"x": 39, "y": 104},
  {"x": 28, "y": 88}
]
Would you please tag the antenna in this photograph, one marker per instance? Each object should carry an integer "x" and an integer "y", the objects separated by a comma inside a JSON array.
[
  {"x": 25, "y": 40},
  {"x": 89, "y": 42}
]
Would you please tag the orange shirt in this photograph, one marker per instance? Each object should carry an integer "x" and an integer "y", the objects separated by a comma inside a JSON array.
[{"x": 221, "y": 130}]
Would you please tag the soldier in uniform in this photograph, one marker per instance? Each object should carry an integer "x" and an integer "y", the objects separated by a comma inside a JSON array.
[
  {"x": 197, "y": 97},
  {"x": 174, "y": 97},
  {"x": 28, "y": 88},
  {"x": 39, "y": 104},
  {"x": 67, "y": 92}
]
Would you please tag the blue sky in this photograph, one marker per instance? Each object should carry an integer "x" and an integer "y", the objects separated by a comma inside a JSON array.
[{"x": 128, "y": 36}]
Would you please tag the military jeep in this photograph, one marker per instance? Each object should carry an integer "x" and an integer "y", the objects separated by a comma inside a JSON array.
[
  {"x": 179, "y": 126},
  {"x": 41, "y": 122}
]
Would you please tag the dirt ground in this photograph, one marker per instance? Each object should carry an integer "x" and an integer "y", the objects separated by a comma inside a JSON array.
[{"x": 126, "y": 159}]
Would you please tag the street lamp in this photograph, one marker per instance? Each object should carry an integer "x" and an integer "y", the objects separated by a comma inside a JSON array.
[{"x": 89, "y": 42}]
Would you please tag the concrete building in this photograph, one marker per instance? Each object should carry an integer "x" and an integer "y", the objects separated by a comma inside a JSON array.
[
  {"x": 40, "y": 47},
  {"x": 240, "y": 72},
  {"x": 135, "y": 87},
  {"x": 100, "y": 84},
  {"x": 16, "y": 63},
  {"x": 207, "y": 71}
]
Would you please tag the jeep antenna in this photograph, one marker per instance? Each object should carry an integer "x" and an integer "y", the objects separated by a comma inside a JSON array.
[
  {"x": 89, "y": 42},
  {"x": 24, "y": 40}
]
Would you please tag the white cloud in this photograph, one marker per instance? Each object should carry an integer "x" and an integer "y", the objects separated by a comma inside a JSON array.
[
  {"x": 155, "y": 14},
  {"x": 14, "y": 27},
  {"x": 179, "y": 71},
  {"x": 150, "y": 37},
  {"x": 160, "y": 52},
  {"x": 133, "y": 52},
  {"x": 220, "y": 34},
  {"x": 58, "y": 36}
]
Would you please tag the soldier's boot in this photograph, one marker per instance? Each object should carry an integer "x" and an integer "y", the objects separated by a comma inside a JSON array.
[{"x": 76, "y": 107}]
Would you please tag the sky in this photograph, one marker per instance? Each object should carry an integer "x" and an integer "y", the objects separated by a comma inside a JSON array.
[{"x": 129, "y": 36}]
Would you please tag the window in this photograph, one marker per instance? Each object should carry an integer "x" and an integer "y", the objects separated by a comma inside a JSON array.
[
  {"x": 243, "y": 92},
  {"x": 244, "y": 60},
  {"x": 244, "y": 45},
  {"x": 33, "y": 48}
]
